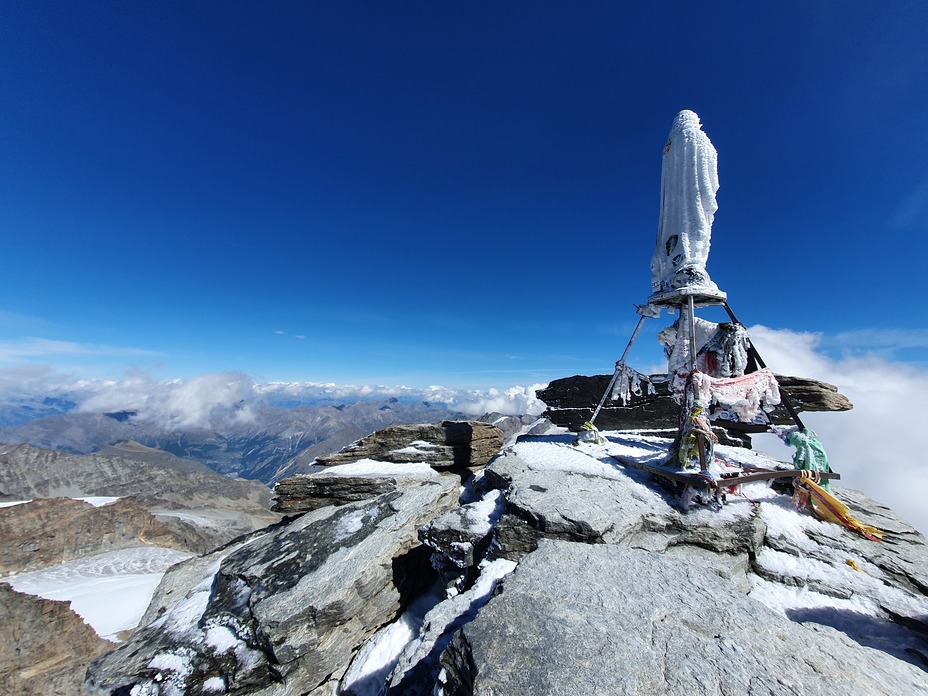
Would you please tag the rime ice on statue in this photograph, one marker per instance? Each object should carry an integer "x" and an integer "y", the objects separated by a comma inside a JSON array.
[
  {"x": 689, "y": 180},
  {"x": 715, "y": 374}
]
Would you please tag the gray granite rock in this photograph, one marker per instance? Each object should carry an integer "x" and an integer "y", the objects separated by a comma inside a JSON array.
[
  {"x": 603, "y": 619},
  {"x": 617, "y": 591},
  {"x": 462, "y": 534},
  {"x": 903, "y": 554},
  {"x": 611, "y": 507},
  {"x": 572, "y": 506},
  {"x": 850, "y": 573},
  {"x": 289, "y": 606},
  {"x": 416, "y": 671},
  {"x": 181, "y": 578},
  {"x": 740, "y": 535},
  {"x": 805, "y": 563}
]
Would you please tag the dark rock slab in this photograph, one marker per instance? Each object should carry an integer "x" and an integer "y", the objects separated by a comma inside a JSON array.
[
  {"x": 306, "y": 492},
  {"x": 812, "y": 395},
  {"x": 453, "y": 444},
  {"x": 572, "y": 400}
]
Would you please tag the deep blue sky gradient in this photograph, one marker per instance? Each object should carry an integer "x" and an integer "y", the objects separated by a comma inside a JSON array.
[{"x": 454, "y": 193}]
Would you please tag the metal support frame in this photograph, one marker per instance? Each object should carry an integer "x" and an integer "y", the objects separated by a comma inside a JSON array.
[{"x": 687, "y": 309}]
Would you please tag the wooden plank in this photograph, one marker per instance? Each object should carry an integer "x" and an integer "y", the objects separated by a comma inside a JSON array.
[
  {"x": 697, "y": 481},
  {"x": 772, "y": 474},
  {"x": 690, "y": 479}
]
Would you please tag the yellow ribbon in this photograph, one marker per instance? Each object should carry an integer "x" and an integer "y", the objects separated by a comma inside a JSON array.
[{"x": 830, "y": 509}]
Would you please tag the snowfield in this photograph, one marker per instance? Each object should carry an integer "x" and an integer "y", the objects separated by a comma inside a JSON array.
[
  {"x": 109, "y": 591},
  {"x": 95, "y": 500}
]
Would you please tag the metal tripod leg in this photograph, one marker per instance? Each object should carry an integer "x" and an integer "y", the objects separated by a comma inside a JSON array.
[
  {"x": 619, "y": 369},
  {"x": 784, "y": 397}
]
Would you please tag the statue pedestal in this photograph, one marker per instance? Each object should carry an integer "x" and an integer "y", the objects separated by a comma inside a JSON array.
[{"x": 680, "y": 297}]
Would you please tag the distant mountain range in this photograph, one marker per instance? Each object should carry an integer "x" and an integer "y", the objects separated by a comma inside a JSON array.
[
  {"x": 16, "y": 411},
  {"x": 271, "y": 444}
]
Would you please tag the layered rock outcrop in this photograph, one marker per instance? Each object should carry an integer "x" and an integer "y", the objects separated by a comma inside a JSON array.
[
  {"x": 453, "y": 444},
  {"x": 572, "y": 400},
  {"x": 285, "y": 610},
  {"x": 373, "y": 465}
]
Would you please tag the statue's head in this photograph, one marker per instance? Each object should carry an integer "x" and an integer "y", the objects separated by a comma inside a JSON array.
[{"x": 686, "y": 118}]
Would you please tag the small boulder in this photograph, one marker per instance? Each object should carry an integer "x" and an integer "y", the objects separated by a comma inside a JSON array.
[
  {"x": 462, "y": 534},
  {"x": 453, "y": 444}
]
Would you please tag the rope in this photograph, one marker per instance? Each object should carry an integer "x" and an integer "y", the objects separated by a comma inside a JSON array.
[{"x": 806, "y": 475}]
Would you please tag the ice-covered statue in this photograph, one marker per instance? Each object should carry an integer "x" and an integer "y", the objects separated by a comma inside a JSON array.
[{"x": 689, "y": 180}]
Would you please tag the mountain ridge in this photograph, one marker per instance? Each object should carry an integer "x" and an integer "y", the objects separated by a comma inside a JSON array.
[{"x": 276, "y": 443}]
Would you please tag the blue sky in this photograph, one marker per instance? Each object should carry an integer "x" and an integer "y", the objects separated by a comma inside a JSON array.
[{"x": 445, "y": 193}]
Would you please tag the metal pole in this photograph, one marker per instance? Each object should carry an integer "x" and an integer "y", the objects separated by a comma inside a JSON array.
[
  {"x": 692, "y": 329},
  {"x": 619, "y": 368},
  {"x": 700, "y": 440}
]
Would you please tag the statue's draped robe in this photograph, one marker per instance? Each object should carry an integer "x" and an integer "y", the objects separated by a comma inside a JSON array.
[{"x": 689, "y": 180}]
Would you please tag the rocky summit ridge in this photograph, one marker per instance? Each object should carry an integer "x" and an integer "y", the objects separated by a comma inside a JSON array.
[{"x": 551, "y": 570}]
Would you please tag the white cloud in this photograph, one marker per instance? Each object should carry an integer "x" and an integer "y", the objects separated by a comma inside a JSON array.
[
  {"x": 230, "y": 398},
  {"x": 207, "y": 400},
  {"x": 516, "y": 400},
  {"x": 30, "y": 380},
  {"x": 21, "y": 349},
  {"x": 876, "y": 447},
  {"x": 884, "y": 341},
  {"x": 512, "y": 401},
  {"x": 311, "y": 391}
]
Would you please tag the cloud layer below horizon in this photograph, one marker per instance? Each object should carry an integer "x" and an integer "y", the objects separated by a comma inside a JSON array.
[
  {"x": 876, "y": 446},
  {"x": 219, "y": 398}
]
